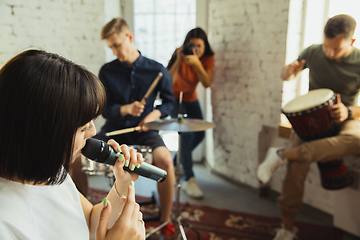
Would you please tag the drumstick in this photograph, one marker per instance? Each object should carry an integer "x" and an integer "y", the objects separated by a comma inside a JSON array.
[
  {"x": 151, "y": 88},
  {"x": 122, "y": 131}
]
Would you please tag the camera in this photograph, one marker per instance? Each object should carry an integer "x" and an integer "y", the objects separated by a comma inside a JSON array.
[{"x": 188, "y": 48}]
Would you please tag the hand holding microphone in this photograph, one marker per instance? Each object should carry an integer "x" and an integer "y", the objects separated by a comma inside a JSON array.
[{"x": 102, "y": 152}]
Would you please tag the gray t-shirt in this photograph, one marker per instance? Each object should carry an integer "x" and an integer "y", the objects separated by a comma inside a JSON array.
[{"x": 341, "y": 77}]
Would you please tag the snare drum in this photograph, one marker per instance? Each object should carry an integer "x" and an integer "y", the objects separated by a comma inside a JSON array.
[
  {"x": 93, "y": 168},
  {"x": 99, "y": 169},
  {"x": 310, "y": 118}
]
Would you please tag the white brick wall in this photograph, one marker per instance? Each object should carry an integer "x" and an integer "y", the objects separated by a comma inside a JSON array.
[
  {"x": 249, "y": 39},
  {"x": 70, "y": 28}
]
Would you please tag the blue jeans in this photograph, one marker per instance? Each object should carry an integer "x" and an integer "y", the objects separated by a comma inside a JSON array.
[{"x": 189, "y": 140}]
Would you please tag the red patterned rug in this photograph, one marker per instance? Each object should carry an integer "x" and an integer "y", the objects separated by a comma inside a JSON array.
[{"x": 208, "y": 223}]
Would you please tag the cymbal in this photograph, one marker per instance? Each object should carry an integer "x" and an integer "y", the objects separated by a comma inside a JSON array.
[{"x": 182, "y": 125}]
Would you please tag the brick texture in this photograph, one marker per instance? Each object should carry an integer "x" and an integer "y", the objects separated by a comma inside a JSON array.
[
  {"x": 70, "y": 28},
  {"x": 249, "y": 39}
]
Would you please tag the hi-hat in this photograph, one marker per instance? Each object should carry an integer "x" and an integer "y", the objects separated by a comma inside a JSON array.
[{"x": 180, "y": 125}]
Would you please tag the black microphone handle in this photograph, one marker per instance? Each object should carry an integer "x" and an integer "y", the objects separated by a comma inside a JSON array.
[
  {"x": 145, "y": 170},
  {"x": 101, "y": 152}
]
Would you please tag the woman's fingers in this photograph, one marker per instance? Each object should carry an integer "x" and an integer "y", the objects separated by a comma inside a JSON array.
[
  {"x": 136, "y": 216},
  {"x": 129, "y": 224},
  {"x": 125, "y": 151},
  {"x": 133, "y": 159},
  {"x": 140, "y": 217},
  {"x": 129, "y": 207},
  {"x": 113, "y": 144},
  {"x": 102, "y": 227},
  {"x": 140, "y": 160}
]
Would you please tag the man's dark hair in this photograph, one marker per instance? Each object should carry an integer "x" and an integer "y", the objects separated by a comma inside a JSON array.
[{"x": 341, "y": 25}]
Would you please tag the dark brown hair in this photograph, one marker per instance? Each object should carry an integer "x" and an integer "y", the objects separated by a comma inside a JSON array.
[
  {"x": 341, "y": 25},
  {"x": 44, "y": 99},
  {"x": 194, "y": 33}
]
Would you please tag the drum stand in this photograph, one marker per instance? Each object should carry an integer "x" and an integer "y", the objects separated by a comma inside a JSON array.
[
  {"x": 179, "y": 125},
  {"x": 176, "y": 219}
]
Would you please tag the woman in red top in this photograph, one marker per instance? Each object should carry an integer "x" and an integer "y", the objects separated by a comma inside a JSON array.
[{"x": 188, "y": 66}]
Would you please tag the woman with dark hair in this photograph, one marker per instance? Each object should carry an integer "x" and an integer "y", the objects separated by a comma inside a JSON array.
[
  {"x": 47, "y": 104},
  {"x": 190, "y": 64}
]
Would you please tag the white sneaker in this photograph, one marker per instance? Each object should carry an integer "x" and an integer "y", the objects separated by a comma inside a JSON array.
[
  {"x": 191, "y": 188},
  {"x": 270, "y": 165},
  {"x": 284, "y": 234}
]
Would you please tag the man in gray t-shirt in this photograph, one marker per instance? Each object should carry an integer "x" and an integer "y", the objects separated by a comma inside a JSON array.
[
  {"x": 342, "y": 77},
  {"x": 335, "y": 65}
]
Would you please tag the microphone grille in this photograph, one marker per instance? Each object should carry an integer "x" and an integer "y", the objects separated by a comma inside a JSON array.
[{"x": 93, "y": 148}]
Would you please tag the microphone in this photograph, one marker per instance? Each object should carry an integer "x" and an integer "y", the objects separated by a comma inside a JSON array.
[{"x": 101, "y": 152}]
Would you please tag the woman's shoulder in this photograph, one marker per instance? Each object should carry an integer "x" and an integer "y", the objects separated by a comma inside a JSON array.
[
  {"x": 208, "y": 61},
  {"x": 14, "y": 203},
  {"x": 38, "y": 205},
  {"x": 208, "y": 56}
]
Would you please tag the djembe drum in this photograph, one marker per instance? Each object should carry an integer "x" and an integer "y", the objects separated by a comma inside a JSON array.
[{"x": 310, "y": 118}]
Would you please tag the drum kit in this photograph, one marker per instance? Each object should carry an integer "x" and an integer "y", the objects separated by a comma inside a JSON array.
[{"x": 310, "y": 118}]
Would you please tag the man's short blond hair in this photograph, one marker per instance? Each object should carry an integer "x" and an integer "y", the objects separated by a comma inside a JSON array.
[{"x": 116, "y": 25}]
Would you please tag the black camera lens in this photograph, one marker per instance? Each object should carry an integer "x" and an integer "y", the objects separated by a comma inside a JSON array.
[{"x": 188, "y": 48}]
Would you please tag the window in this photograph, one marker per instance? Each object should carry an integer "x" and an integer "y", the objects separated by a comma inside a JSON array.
[
  {"x": 160, "y": 26},
  {"x": 350, "y": 7}
]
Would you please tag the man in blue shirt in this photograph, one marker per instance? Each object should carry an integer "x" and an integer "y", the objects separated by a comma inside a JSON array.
[{"x": 127, "y": 80}]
